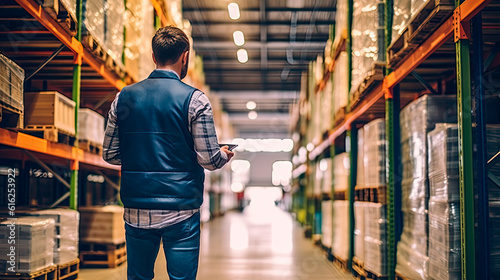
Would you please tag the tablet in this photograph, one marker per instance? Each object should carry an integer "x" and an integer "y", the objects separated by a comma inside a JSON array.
[{"x": 231, "y": 146}]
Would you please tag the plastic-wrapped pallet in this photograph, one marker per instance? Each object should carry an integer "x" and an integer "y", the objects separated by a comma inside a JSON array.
[
  {"x": 340, "y": 247},
  {"x": 90, "y": 126},
  {"x": 33, "y": 248},
  {"x": 340, "y": 21},
  {"x": 326, "y": 223},
  {"x": 416, "y": 120},
  {"x": 401, "y": 17},
  {"x": 11, "y": 83},
  {"x": 115, "y": 22},
  {"x": 326, "y": 165},
  {"x": 65, "y": 233},
  {"x": 375, "y": 238},
  {"x": 102, "y": 224},
  {"x": 374, "y": 153},
  {"x": 340, "y": 81},
  {"x": 367, "y": 38},
  {"x": 444, "y": 207},
  {"x": 359, "y": 230},
  {"x": 341, "y": 168},
  {"x": 360, "y": 173}
]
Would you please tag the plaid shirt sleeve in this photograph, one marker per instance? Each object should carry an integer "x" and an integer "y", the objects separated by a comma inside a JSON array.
[
  {"x": 202, "y": 127},
  {"x": 111, "y": 144}
]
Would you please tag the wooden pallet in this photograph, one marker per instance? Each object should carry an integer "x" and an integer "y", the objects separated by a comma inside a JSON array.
[
  {"x": 399, "y": 276},
  {"x": 339, "y": 116},
  {"x": 11, "y": 117},
  {"x": 50, "y": 133},
  {"x": 419, "y": 29},
  {"x": 118, "y": 68},
  {"x": 90, "y": 147},
  {"x": 69, "y": 270},
  {"x": 340, "y": 195},
  {"x": 48, "y": 273},
  {"x": 58, "y": 11},
  {"x": 102, "y": 255},
  {"x": 340, "y": 262},
  {"x": 358, "y": 268},
  {"x": 98, "y": 50},
  {"x": 371, "y": 81},
  {"x": 375, "y": 194}
]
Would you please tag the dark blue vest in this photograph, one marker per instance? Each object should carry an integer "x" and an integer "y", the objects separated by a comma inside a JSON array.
[{"x": 159, "y": 164}]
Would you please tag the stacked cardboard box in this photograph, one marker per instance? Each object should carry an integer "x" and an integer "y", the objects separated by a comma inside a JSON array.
[
  {"x": 326, "y": 223},
  {"x": 90, "y": 126},
  {"x": 102, "y": 224},
  {"x": 417, "y": 119},
  {"x": 360, "y": 172},
  {"x": 340, "y": 81},
  {"x": 11, "y": 83},
  {"x": 33, "y": 245},
  {"x": 359, "y": 230}
]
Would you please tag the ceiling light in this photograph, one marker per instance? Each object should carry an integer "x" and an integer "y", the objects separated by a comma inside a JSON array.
[
  {"x": 252, "y": 115},
  {"x": 251, "y": 105},
  {"x": 242, "y": 55},
  {"x": 239, "y": 38},
  {"x": 234, "y": 11}
]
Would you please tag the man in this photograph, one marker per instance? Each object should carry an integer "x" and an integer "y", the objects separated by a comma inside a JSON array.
[{"x": 162, "y": 133}]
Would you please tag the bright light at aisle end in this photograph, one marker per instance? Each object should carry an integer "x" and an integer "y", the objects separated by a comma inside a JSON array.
[
  {"x": 251, "y": 105},
  {"x": 242, "y": 55},
  {"x": 234, "y": 11},
  {"x": 239, "y": 38}
]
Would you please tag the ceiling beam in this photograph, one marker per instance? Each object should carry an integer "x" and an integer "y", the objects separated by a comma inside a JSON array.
[
  {"x": 331, "y": 8},
  {"x": 225, "y": 23},
  {"x": 258, "y": 45},
  {"x": 256, "y": 95}
]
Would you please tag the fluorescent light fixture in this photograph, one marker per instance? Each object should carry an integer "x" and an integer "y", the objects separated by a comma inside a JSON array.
[
  {"x": 242, "y": 55},
  {"x": 234, "y": 11},
  {"x": 251, "y": 105},
  {"x": 239, "y": 38},
  {"x": 252, "y": 115}
]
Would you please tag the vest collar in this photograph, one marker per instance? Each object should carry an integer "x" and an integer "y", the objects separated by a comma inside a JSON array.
[{"x": 168, "y": 74}]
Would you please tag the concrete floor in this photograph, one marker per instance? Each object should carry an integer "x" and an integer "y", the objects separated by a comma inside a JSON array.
[{"x": 260, "y": 243}]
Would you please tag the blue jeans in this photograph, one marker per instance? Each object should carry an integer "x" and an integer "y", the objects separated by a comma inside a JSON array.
[{"x": 181, "y": 244}]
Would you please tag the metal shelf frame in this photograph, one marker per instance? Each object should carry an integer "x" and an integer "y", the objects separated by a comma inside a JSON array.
[{"x": 457, "y": 27}]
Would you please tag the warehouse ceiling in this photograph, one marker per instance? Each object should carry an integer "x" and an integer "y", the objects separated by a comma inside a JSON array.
[{"x": 281, "y": 37}]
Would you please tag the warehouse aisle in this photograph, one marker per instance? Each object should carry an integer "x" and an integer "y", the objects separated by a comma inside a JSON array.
[{"x": 263, "y": 242}]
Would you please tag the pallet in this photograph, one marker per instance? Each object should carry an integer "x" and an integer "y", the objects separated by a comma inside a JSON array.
[
  {"x": 102, "y": 255},
  {"x": 339, "y": 116},
  {"x": 50, "y": 133},
  {"x": 371, "y": 81},
  {"x": 340, "y": 195},
  {"x": 69, "y": 270},
  {"x": 48, "y": 273},
  {"x": 419, "y": 29},
  {"x": 342, "y": 264},
  {"x": 401, "y": 277},
  {"x": 358, "y": 268},
  {"x": 376, "y": 194},
  {"x": 58, "y": 11},
  {"x": 100, "y": 52},
  {"x": 90, "y": 147},
  {"x": 11, "y": 117}
]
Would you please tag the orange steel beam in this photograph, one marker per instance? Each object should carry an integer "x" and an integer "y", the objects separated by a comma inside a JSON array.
[
  {"x": 31, "y": 143},
  {"x": 35, "y": 144},
  {"x": 56, "y": 29},
  {"x": 469, "y": 8},
  {"x": 48, "y": 22},
  {"x": 159, "y": 12}
]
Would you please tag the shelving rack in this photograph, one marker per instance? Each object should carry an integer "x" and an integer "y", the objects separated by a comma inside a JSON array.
[
  {"x": 46, "y": 46},
  {"x": 445, "y": 51}
]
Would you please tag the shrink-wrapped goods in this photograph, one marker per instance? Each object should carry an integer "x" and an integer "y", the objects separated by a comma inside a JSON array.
[
  {"x": 341, "y": 168},
  {"x": 374, "y": 153},
  {"x": 340, "y": 247},
  {"x": 326, "y": 223}
]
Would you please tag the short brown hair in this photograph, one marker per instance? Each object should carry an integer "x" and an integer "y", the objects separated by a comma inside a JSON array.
[{"x": 168, "y": 45}]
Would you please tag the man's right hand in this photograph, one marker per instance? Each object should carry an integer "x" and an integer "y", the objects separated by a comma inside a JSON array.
[{"x": 226, "y": 150}]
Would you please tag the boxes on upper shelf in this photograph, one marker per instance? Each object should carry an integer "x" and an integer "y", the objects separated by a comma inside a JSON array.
[
  {"x": 102, "y": 224},
  {"x": 90, "y": 126},
  {"x": 11, "y": 84},
  {"x": 374, "y": 153},
  {"x": 341, "y": 168},
  {"x": 49, "y": 110}
]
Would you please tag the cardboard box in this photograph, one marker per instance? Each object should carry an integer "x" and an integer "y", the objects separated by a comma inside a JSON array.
[{"x": 102, "y": 224}]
